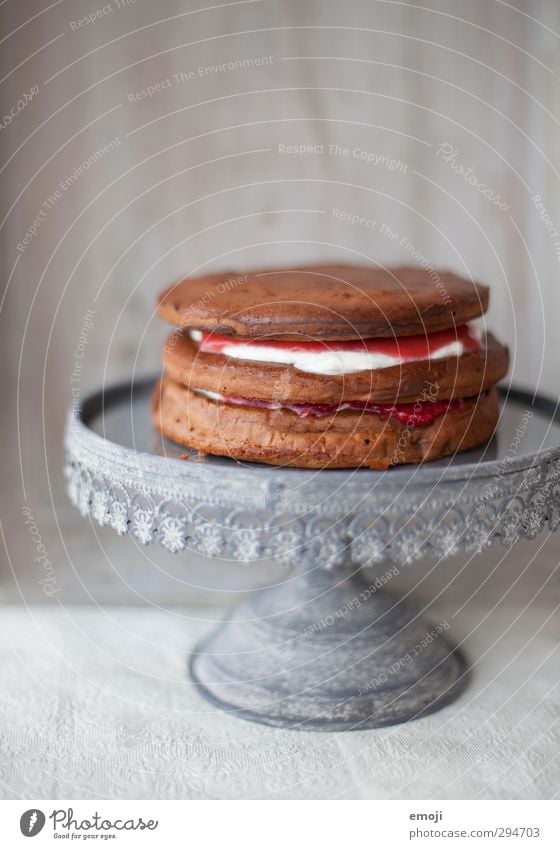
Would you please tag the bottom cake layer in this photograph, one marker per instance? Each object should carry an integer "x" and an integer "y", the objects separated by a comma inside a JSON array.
[{"x": 344, "y": 439}]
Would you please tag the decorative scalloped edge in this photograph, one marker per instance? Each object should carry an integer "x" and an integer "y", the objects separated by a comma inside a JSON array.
[{"x": 453, "y": 519}]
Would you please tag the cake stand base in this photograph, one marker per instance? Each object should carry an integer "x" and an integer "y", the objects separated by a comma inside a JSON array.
[{"x": 322, "y": 652}]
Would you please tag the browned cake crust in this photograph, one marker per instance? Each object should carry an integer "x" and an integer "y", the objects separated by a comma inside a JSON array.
[
  {"x": 346, "y": 439},
  {"x": 324, "y": 302},
  {"x": 455, "y": 377}
]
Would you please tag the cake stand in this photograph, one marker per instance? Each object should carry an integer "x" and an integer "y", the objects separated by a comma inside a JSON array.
[{"x": 330, "y": 646}]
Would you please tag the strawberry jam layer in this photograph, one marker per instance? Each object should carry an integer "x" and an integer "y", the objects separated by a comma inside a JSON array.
[
  {"x": 419, "y": 414},
  {"x": 404, "y": 348},
  {"x": 344, "y": 357}
]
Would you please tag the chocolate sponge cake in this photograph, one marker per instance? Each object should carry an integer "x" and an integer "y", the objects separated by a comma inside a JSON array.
[
  {"x": 324, "y": 302},
  {"x": 328, "y": 366}
]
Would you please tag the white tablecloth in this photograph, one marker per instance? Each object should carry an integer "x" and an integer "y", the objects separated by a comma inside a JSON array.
[{"x": 95, "y": 703}]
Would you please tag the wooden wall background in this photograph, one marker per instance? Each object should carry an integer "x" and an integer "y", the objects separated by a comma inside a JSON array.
[{"x": 194, "y": 178}]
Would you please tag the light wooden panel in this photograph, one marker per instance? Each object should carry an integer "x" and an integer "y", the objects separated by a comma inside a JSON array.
[{"x": 197, "y": 176}]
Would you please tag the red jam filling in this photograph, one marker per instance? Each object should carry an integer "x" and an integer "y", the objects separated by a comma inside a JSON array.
[
  {"x": 420, "y": 414},
  {"x": 403, "y": 348}
]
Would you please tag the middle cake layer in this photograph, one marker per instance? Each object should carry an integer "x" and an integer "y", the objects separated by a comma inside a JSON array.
[{"x": 454, "y": 376}]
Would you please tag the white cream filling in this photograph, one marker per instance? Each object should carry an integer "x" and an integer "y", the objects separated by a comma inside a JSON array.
[
  {"x": 215, "y": 396},
  {"x": 326, "y": 362}
]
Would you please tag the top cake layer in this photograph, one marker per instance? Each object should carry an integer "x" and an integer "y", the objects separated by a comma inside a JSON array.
[{"x": 324, "y": 302}]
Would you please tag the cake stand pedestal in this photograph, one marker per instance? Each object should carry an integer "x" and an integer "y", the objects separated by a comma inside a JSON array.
[{"x": 332, "y": 646}]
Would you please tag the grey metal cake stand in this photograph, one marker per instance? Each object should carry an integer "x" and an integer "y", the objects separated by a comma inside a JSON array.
[{"x": 330, "y": 647}]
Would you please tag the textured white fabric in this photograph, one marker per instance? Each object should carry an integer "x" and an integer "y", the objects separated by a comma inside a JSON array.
[{"x": 95, "y": 703}]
